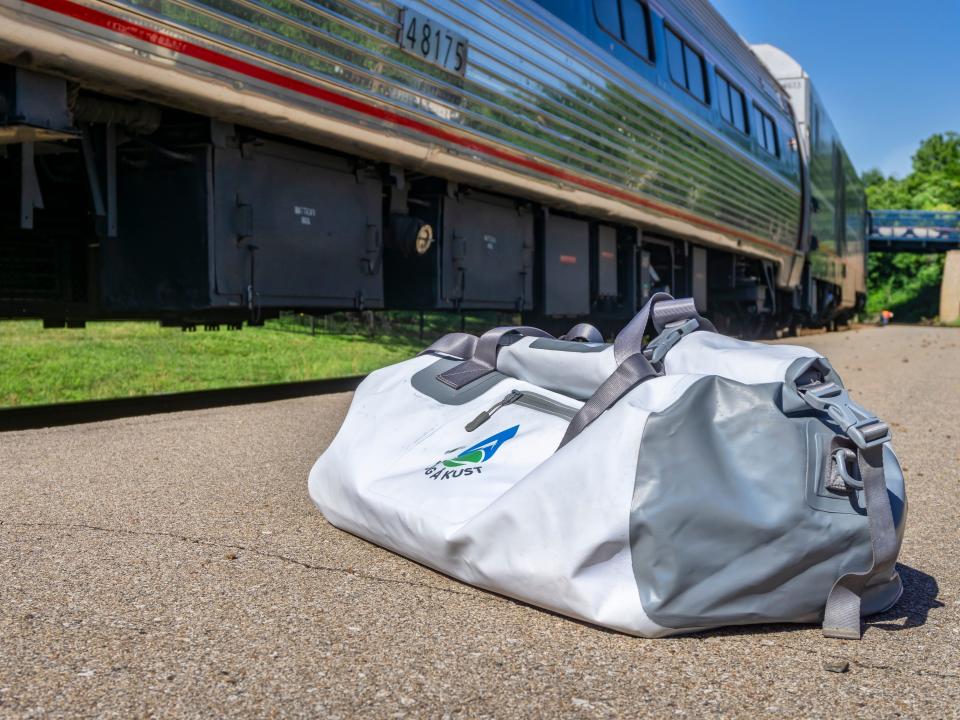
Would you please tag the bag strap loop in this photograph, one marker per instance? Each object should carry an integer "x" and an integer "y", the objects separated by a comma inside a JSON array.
[
  {"x": 458, "y": 345},
  {"x": 841, "y": 617}
]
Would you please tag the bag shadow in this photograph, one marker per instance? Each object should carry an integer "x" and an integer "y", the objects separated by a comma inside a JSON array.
[{"x": 919, "y": 597}]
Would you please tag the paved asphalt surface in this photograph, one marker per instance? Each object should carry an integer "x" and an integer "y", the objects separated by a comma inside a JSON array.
[{"x": 173, "y": 565}]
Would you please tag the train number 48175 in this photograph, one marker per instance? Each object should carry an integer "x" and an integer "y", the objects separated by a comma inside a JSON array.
[{"x": 433, "y": 42}]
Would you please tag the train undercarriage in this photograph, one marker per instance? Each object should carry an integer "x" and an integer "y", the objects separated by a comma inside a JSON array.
[{"x": 116, "y": 208}]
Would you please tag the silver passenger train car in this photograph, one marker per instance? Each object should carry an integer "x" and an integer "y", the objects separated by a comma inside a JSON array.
[{"x": 220, "y": 160}]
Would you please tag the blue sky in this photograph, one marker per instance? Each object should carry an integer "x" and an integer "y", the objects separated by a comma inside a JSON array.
[{"x": 888, "y": 71}]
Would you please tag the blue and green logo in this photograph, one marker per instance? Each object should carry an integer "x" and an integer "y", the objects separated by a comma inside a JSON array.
[{"x": 468, "y": 462}]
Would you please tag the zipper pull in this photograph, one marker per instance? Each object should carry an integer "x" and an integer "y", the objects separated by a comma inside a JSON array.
[{"x": 485, "y": 415}]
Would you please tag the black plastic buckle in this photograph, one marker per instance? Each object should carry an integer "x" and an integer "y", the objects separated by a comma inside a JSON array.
[
  {"x": 860, "y": 425},
  {"x": 670, "y": 336}
]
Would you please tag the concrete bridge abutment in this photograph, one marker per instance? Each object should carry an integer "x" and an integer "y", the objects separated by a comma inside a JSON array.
[{"x": 950, "y": 288}]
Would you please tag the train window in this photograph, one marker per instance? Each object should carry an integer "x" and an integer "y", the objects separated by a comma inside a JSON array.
[
  {"x": 723, "y": 90},
  {"x": 733, "y": 105},
  {"x": 636, "y": 27},
  {"x": 770, "y": 132},
  {"x": 675, "y": 59},
  {"x": 686, "y": 65},
  {"x": 695, "y": 74},
  {"x": 608, "y": 15},
  {"x": 628, "y": 21},
  {"x": 816, "y": 129},
  {"x": 739, "y": 104},
  {"x": 767, "y": 133}
]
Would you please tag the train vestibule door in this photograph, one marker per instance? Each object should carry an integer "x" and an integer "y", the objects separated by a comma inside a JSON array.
[
  {"x": 698, "y": 280},
  {"x": 657, "y": 269}
]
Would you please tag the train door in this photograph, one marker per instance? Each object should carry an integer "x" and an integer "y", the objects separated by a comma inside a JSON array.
[
  {"x": 487, "y": 253},
  {"x": 698, "y": 279},
  {"x": 566, "y": 266},
  {"x": 657, "y": 268},
  {"x": 839, "y": 201},
  {"x": 296, "y": 228}
]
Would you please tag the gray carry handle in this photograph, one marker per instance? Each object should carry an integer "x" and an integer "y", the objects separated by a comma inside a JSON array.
[
  {"x": 480, "y": 355},
  {"x": 484, "y": 358},
  {"x": 463, "y": 346},
  {"x": 662, "y": 310}
]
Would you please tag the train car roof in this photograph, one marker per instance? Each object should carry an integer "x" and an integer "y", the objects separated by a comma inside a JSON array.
[{"x": 780, "y": 63}]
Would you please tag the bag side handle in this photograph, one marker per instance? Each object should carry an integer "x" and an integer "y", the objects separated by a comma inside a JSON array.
[{"x": 810, "y": 380}]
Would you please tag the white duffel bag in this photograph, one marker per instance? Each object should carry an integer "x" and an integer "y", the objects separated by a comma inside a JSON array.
[{"x": 692, "y": 482}]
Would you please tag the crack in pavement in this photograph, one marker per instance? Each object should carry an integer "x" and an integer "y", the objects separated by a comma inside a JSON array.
[
  {"x": 931, "y": 673},
  {"x": 244, "y": 548},
  {"x": 873, "y": 666}
]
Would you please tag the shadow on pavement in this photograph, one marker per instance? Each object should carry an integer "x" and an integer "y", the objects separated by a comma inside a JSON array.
[{"x": 919, "y": 598}]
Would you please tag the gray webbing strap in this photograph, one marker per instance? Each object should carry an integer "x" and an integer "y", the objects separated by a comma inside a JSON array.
[
  {"x": 841, "y": 619},
  {"x": 632, "y": 367},
  {"x": 629, "y": 341},
  {"x": 630, "y": 373},
  {"x": 458, "y": 345},
  {"x": 661, "y": 309},
  {"x": 484, "y": 359}
]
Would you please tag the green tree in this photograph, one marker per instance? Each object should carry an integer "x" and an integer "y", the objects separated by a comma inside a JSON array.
[
  {"x": 933, "y": 183},
  {"x": 939, "y": 153},
  {"x": 886, "y": 193}
]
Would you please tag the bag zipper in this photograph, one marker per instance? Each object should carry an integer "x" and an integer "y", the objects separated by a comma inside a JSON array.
[{"x": 525, "y": 399}]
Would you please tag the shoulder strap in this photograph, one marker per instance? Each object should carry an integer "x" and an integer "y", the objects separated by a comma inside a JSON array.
[
  {"x": 676, "y": 317},
  {"x": 630, "y": 373}
]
